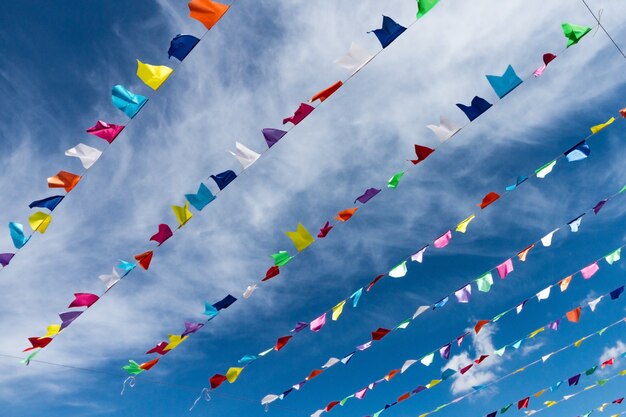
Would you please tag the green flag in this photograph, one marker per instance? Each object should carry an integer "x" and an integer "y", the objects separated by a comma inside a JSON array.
[
  {"x": 574, "y": 33},
  {"x": 505, "y": 409},
  {"x": 424, "y": 6},
  {"x": 281, "y": 258},
  {"x": 132, "y": 368},
  {"x": 613, "y": 256},
  {"x": 485, "y": 282},
  {"x": 395, "y": 180}
]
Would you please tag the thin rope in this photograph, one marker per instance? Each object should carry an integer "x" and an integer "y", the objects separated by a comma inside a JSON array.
[{"x": 604, "y": 29}]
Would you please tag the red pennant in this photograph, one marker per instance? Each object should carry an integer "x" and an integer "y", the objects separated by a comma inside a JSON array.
[
  {"x": 574, "y": 315},
  {"x": 466, "y": 368},
  {"x": 217, "y": 380},
  {"x": 345, "y": 215},
  {"x": 271, "y": 273},
  {"x": 609, "y": 362},
  {"x": 489, "y": 198},
  {"x": 331, "y": 405},
  {"x": 146, "y": 366},
  {"x": 159, "y": 349},
  {"x": 523, "y": 403},
  {"x": 38, "y": 343},
  {"x": 325, "y": 230},
  {"x": 380, "y": 333},
  {"x": 281, "y": 342},
  {"x": 144, "y": 259},
  {"x": 314, "y": 373},
  {"x": 371, "y": 284},
  {"x": 324, "y": 94},
  {"x": 422, "y": 153},
  {"x": 163, "y": 234},
  {"x": 480, "y": 325},
  {"x": 618, "y": 401},
  {"x": 403, "y": 397},
  {"x": 482, "y": 358},
  {"x": 391, "y": 374}
]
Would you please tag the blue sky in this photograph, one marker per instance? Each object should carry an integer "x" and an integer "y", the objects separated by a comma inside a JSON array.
[{"x": 248, "y": 73}]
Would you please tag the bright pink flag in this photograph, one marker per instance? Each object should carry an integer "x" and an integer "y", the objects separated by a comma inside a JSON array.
[
  {"x": 84, "y": 300},
  {"x": 318, "y": 323},
  {"x": 589, "y": 271},
  {"x": 443, "y": 240},
  {"x": 505, "y": 268},
  {"x": 303, "y": 111},
  {"x": 162, "y": 235},
  {"x": 106, "y": 131}
]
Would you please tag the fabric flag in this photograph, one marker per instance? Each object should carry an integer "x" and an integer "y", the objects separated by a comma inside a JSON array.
[
  {"x": 153, "y": 75},
  {"x": 330, "y": 362},
  {"x": 367, "y": 195},
  {"x": 301, "y": 238},
  {"x": 445, "y": 130},
  {"x": 361, "y": 394},
  {"x": 356, "y": 296},
  {"x": 38, "y": 343},
  {"x": 39, "y": 221},
  {"x": 202, "y": 198},
  {"x": 232, "y": 374},
  {"x": 181, "y": 46},
  {"x": 598, "y": 207},
  {"x": 183, "y": 215},
  {"x": 523, "y": 403},
  {"x": 68, "y": 317},
  {"x": 281, "y": 258},
  {"x": 594, "y": 303},
  {"x": 505, "y": 268},
  {"x": 174, "y": 341},
  {"x": 5, "y": 258},
  {"x": 244, "y": 155},
  {"x": 110, "y": 280},
  {"x": 132, "y": 368},
  {"x": 524, "y": 253},
  {"x": 144, "y": 259},
  {"x": 87, "y": 155},
  {"x": 106, "y": 131},
  {"x": 545, "y": 170},
  {"x": 325, "y": 230},
  {"x": 489, "y": 198},
  {"x": 83, "y": 300},
  {"x": 395, "y": 180},
  {"x": 564, "y": 283},
  {"x": 464, "y": 294},
  {"x": 248, "y": 292},
  {"x": 428, "y": 359},
  {"x": 443, "y": 240},
  {"x": 281, "y": 342},
  {"x": 422, "y": 152},
  {"x": 17, "y": 235},
  {"x": 272, "y": 136},
  {"x": 440, "y": 303},
  {"x": 126, "y": 266},
  {"x": 573, "y": 315},
  {"x": 578, "y": 152},
  {"x": 224, "y": 302},
  {"x": 589, "y": 271},
  {"x": 479, "y": 106},
  {"x": 554, "y": 325},
  {"x": 373, "y": 282},
  {"x": 444, "y": 351},
  {"x": 49, "y": 203},
  {"x": 217, "y": 380},
  {"x": 162, "y": 235},
  {"x": 547, "y": 58},
  {"x": 345, "y": 215},
  {"x": 484, "y": 282},
  {"x": 207, "y": 12},
  {"x": 424, "y": 6},
  {"x": 399, "y": 271},
  {"x": 317, "y": 324},
  {"x": 520, "y": 180},
  {"x": 64, "y": 179},
  {"x": 303, "y": 111},
  {"x": 506, "y": 83},
  {"x": 595, "y": 129},
  {"x": 615, "y": 294},
  {"x": 127, "y": 102},
  {"x": 419, "y": 255},
  {"x": 301, "y": 325},
  {"x": 337, "y": 310},
  {"x": 574, "y": 225},
  {"x": 480, "y": 324},
  {"x": 547, "y": 239},
  {"x": 191, "y": 328},
  {"x": 52, "y": 330},
  {"x": 380, "y": 333},
  {"x": 146, "y": 366},
  {"x": 544, "y": 294},
  {"x": 224, "y": 178},
  {"x": 389, "y": 32},
  {"x": 574, "y": 33},
  {"x": 324, "y": 94},
  {"x": 573, "y": 380},
  {"x": 613, "y": 257},
  {"x": 355, "y": 59}
]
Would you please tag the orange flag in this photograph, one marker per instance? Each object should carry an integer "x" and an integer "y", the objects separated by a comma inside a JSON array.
[
  {"x": 391, "y": 374},
  {"x": 324, "y": 94},
  {"x": 144, "y": 259},
  {"x": 523, "y": 254},
  {"x": 574, "y": 315},
  {"x": 480, "y": 325},
  {"x": 313, "y": 374},
  {"x": 146, "y": 366},
  {"x": 65, "y": 180},
  {"x": 489, "y": 198},
  {"x": 404, "y": 397},
  {"x": 207, "y": 12},
  {"x": 344, "y": 215}
]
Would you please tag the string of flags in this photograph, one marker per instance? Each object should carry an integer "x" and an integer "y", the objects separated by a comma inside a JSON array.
[
  {"x": 207, "y": 12},
  {"x": 601, "y": 408}
]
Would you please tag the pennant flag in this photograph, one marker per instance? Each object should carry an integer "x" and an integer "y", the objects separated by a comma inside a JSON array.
[
  {"x": 578, "y": 152},
  {"x": 181, "y": 46},
  {"x": 464, "y": 294},
  {"x": 5, "y": 258},
  {"x": 613, "y": 257},
  {"x": 574, "y": 225},
  {"x": 303, "y": 111},
  {"x": 389, "y": 32},
  {"x": 547, "y": 239},
  {"x": 440, "y": 303},
  {"x": 153, "y": 75},
  {"x": 224, "y": 178},
  {"x": 464, "y": 370},
  {"x": 281, "y": 342},
  {"x": 367, "y": 195},
  {"x": 347, "y": 358},
  {"x": 207, "y": 12},
  {"x": 106, "y": 131},
  {"x": 355, "y": 59},
  {"x": 317, "y": 324},
  {"x": 524, "y": 253},
  {"x": 281, "y": 258},
  {"x": 482, "y": 358},
  {"x": 301, "y": 238},
  {"x": 65, "y": 180},
  {"x": 127, "y": 102},
  {"x": 248, "y": 292},
  {"x": 52, "y": 330},
  {"x": 574, "y": 33},
  {"x": 484, "y": 282},
  {"x": 202, "y": 198},
  {"x": 245, "y": 156},
  {"x": 232, "y": 374},
  {"x": 38, "y": 343},
  {"x": 272, "y": 136},
  {"x": 325, "y": 230},
  {"x": 162, "y": 235},
  {"x": 445, "y": 351},
  {"x": 356, "y": 297},
  {"x": 424, "y": 6},
  {"x": 191, "y": 328},
  {"x": 380, "y": 333},
  {"x": 480, "y": 325},
  {"x": 225, "y": 302},
  {"x": 547, "y": 58},
  {"x": 445, "y": 130},
  {"x": 399, "y": 271},
  {"x": 17, "y": 235},
  {"x": 595, "y": 129},
  {"x": 87, "y": 155},
  {"x": 49, "y": 203},
  {"x": 573, "y": 380},
  {"x": 146, "y": 366},
  {"x": 68, "y": 317},
  {"x": 598, "y": 207},
  {"x": 374, "y": 281},
  {"x": 144, "y": 259},
  {"x": 589, "y": 271},
  {"x": 419, "y": 255},
  {"x": 83, "y": 300},
  {"x": 132, "y": 368},
  {"x": 39, "y": 221},
  {"x": 478, "y": 107},
  {"x": 337, "y": 310},
  {"x": 503, "y": 85},
  {"x": 395, "y": 180},
  {"x": 345, "y": 215},
  {"x": 324, "y": 94},
  {"x": 564, "y": 283},
  {"x": 489, "y": 198},
  {"x": 505, "y": 268},
  {"x": 616, "y": 293},
  {"x": 443, "y": 240},
  {"x": 313, "y": 374},
  {"x": 109, "y": 280},
  {"x": 545, "y": 170},
  {"x": 210, "y": 310},
  {"x": 544, "y": 294},
  {"x": 175, "y": 340},
  {"x": 520, "y": 180},
  {"x": 422, "y": 152},
  {"x": 574, "y": 315},
  {"x": 523, "y": 403},
  {"x": 594, "y": 303},
  {"x": 183, "y": 215},
  {"x": 217, "y": 380}
]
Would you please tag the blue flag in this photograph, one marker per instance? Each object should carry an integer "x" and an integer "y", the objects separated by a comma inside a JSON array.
[
  {"x": 506, "y": 83},
  {"x": 224, "y": 178},
  {"x": 478, "y": 107},
  {"x": 389, "y": 32},
  {"x": 201, "y": 199},
  {"x": 50, "y": 202},
  {"x": 578, "y": 152},
  {"x": 181, "y": 45}
]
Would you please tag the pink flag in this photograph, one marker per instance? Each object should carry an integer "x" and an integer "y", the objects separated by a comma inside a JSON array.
[
  {"x": 83, "y": 300},
  {"x": 361, "y": 394},
  {"x": 303, "y": 111},
  {"x": 443, "y": 241},
  {"x": 105, "y": 130},
  {"x": 505, "y": 268},
  {"x": 318, "y": 323},
  {"x": 547, "y": 58},
  {"x": 162, "y": 235},
  {"x": 589, "y": 271}
]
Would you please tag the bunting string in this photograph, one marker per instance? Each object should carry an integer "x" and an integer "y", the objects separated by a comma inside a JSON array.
[{"x": 601, "y": 408}]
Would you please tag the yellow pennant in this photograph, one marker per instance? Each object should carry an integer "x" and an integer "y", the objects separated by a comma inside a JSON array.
[
  {"x": 182, "y": 214},
  {"x": 462, "y": 227},
  {"x": 301, "y": 238},
  {"x": 175, "y": 340},
  {"x": 601, "y": 126},
  {"x": 153, "y": 75},
  {"x": 232, "y": 374},
  {"x": 39, "y": 221},
  {"x": 338, "y": 309},
  {"x": 52, "y": 330}
]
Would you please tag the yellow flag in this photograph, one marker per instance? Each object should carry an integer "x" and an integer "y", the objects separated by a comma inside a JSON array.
[
  {"x": 462, "y": 227},
  {"x": 153, "y": 75},
  {"x": 623, "y": 373},
  {"x": 433, "y": 383},
  {"x": 550, "y": 403},
  {"x": 40, "y": 221},
  {"x": 537, "y": 395},
  {"x": 536, "y": 332},
  {"x": 301, "y": 238},
  {"x": 599, "y": 127},
  {"x": 232, "y": 374},
  {"x": 579, "y": 342},
  {"x": 338, "y": 309},
  {"x": 182, "y": 214},
  {"x": 175, "y": 340},
  {"x": 52, "y": 330}
]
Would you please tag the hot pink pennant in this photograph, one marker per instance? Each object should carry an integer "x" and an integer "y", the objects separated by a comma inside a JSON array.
[
  {"x": 505, "y": 268},
  {"x": 589, "y": 271},
  {"x": 443, "y": 240},
  {"x": 83, "y": 300},
  {"x": 163, "y": 234},
  {"x": 318, "y": 323}
]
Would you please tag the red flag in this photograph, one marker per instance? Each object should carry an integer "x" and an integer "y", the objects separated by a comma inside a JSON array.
[
  {"x": 489, "y": 198},
  {"x": 144, "y": 259},
  {"x": 422, "y": 152},
  {"x": 523, "y": 403},
  {"x": 380, "y": 333},
  {"x": 271, "y": 273},
  {"x": 217, "y": 380},
  {"x": 324, "y": 94},
  {"x": 281, "y": 342}
]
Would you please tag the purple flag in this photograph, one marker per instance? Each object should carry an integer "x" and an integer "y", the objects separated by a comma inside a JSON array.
[
  {"x": 191, "y": 328},
  {"x": 599, "y": 206},
  {"x": 445, "y": 351},
  {"x": 5, "y": 258},
  {"x": 272, "y": 136},
  {"x": 367, "y": 195},
  {"x": 573, "y": 380},
  {"x": 68, "y": 317},
  {"x": 554, "y": 325}
]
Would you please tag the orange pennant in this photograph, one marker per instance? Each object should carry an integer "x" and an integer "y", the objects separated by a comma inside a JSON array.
[
  {"x": 564, "y": 283},
  {"x": 207, "y": 12},
  {"x": 404, "y": 397},
  {"x": 489, "y": 198},
  {"x": 313, "y": 374},
  {"x": 391, "y": 374},
  {"x": 523, "y": 254},
  {"x": 574, "y": 315},
  {"x": 324, "y": 94},
  {"x": 345, "y": 215},
  {"x": 144, "y": 259},
  {"x": 146, "y": 366},
  {"x": 480, "y": 325},
  {"x": 65, "y": 180}
]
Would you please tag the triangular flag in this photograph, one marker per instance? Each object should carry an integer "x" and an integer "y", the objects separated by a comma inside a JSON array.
[
  {"x": 545, "y": 170},
  {"x": 300, "y": 114},
  {"x": 462, "y": 227},
  {"x": 153, "y": 75},
  {"x": 595, "y": 129},
  {"x": 355, "y": 59},
  {"x": 506, "y": 83},
  {"x": 281, "y": 258},
  {"x": 83, "y": 300},
  {"x": 39, "y": 221},
  {"x": 345, "y": 215},
  {"x": 109, "y": 280},
  {"x": 272, "y": 136},
  {"x": 520, "y": 180},
  {"x": 144, "y": 259},
  {"x": 395, "y": 180},
  {"x": 281, "y": 342},
  {"x": 484, "y": 282},
  {"x": 564, "y": 283},
  {"x": 16, "y": 230},
  {"x": 422, "y": 152},
  {"x": 224, "y": 178},
  {"x": 324, "y": 94},
  {"x": 106, "y": 131},
  {"x": 325, "y": 230},
  {"x": 419, "y": 255},
  {"x": 317, "y": 324},
  {"x": 127, "y": 102},
  {"x": 389, "y": 31},
  {"x": 65, "y": 180},
  {"x": 174, "y": 341},
  {"x": 505, "y": 268},
  {"x": 181, "y": 46},
  {"x": 301, "y": 238},
  {"x": 547, "y": 239},
  {"x": 573, "y": 315},
  {"x": 480, "y": 325},
  {"x": 579, "y": 152},
  {"x": 443, "y": 240},
  {"x": 232, "y": 374},
  {"x": 574, "y": 33},
  {"x": 464, "y": 294},
  {"x": 423, "y": 7},
  {"x": 445, "y": 130},
  {"x": 49, "y": 203},
  {"x": 182, "y": 214},
  {"x": 524, "y": 253},
  {"x": 544, "y": 294},
  {"x": 207, "y": 12},
  {"x": 489, "y": 198},
  {"x": 399, "y": 271},
  {"x": 337, "y": 310},
  {"x": 244, "y": 155},
  {"x": 574, "y": 225},
  {"x": 613, "y": 257},
  {"x": 589, "y": 271},
  {"x": 87, "y": 155}
]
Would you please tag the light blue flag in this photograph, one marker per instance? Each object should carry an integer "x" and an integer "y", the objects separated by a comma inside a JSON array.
[
  {"x": 247, "y": 359},
  {"x": 447, "y": 373},
  {"x": 210, "y": 311},
  {"x": 503, "y": 85},
  {"x": 201, "y": 199},
  {"x": 578, "y": 152},
  {"x": 126, "y": 266},
  {"x": 441, "y": 303},
  {"x": 17, "y": 235},
  {"x": 356, "y": 297},
  {"x": 517, "y": 344},
  {"x": 126, "y": 101},
  {"x": 555, "y": 386}
]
